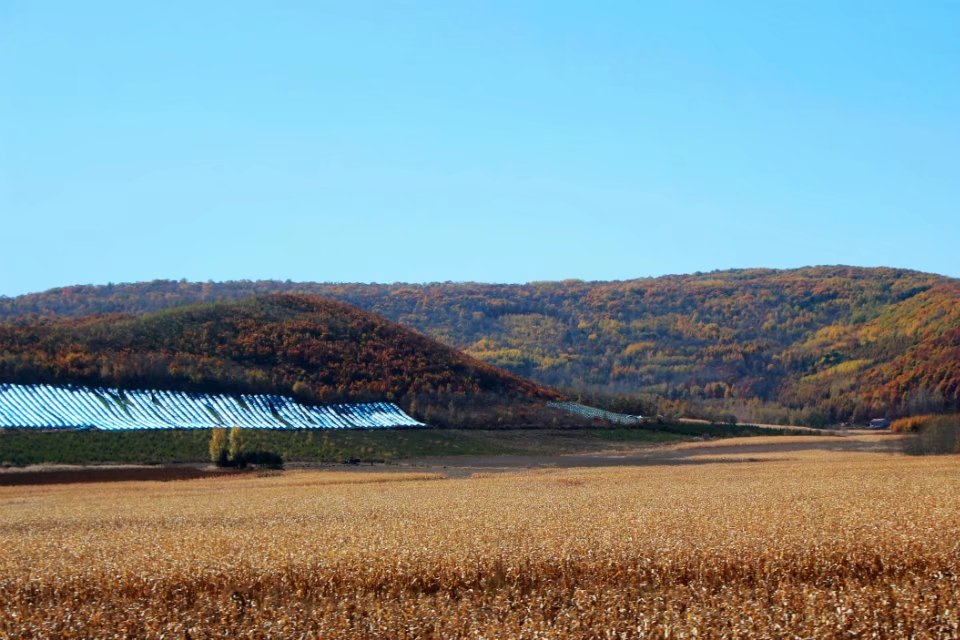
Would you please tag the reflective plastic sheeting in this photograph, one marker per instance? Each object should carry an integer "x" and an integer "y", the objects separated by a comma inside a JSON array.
[{"x": 44, "y": 406}]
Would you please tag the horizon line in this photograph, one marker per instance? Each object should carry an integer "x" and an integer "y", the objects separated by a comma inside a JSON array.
[{"x": 427, "y": 283}]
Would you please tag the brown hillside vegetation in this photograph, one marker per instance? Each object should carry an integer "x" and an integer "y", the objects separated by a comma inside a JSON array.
[
  {"x": 315, "y": 349},
  {"x": 821, "y": 545},
  {"x": 818, "y": 345}
]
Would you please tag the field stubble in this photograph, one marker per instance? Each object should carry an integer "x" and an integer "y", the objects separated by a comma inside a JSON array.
[{"x": 826, "y": 545}]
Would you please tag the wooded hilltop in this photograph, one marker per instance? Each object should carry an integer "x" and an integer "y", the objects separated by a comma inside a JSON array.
[
  {"x": 815, "y": 345},
  {"x": 315, "y": 349}
]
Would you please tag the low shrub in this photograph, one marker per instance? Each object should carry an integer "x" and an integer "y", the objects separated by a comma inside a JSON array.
[
  {"x": 269, "y": 459},
  {"x": 910, "y": 424}
]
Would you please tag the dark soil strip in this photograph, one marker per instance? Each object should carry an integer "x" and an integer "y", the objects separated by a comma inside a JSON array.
[{"x": 70, "y": 476}]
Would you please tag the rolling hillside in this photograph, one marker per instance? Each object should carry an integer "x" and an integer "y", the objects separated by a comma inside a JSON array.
[
  {"x": 317, "y": 350},
  {"x": 816, "y": 345}
]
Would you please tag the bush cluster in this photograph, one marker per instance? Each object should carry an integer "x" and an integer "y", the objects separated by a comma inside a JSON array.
[{"x": 230, "y": 449}]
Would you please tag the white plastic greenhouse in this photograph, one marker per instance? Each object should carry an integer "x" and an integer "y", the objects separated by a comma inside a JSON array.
[{"x": 73, "y": 407}]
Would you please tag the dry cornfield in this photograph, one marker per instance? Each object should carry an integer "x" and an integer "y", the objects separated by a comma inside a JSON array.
[{"x": 820, "y": 545}]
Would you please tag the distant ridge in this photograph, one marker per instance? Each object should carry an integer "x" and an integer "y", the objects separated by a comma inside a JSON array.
[
  {"x": 74, "y": 407},
  {"x": 815, "y": 345}
]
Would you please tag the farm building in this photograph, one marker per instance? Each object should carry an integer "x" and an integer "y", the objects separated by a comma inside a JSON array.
[{"x": 75, "y": 407}]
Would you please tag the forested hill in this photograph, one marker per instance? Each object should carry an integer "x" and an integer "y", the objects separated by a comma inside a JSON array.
[
  {"x": 828, "y": 342},
  {"x": 315, "y": 349}
]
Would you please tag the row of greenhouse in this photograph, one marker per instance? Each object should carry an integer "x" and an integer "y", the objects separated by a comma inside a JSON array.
[
  {"x": 43, "y": 406},
  {"x": 593, "y": 412}
]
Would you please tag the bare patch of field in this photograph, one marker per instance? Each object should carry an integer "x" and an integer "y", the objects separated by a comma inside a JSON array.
[
  {"x": 675, "y": 454},
  {"x": 65, "y": 474}
]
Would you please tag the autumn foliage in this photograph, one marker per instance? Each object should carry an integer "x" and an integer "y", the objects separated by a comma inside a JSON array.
[
  {"x": 818, "y": 344},
  {"x": 315, "y": 349}
]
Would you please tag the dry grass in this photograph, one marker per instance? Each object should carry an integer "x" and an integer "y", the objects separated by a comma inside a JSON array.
[
  {"x": 727, "y": 443},
  {"x": 827, "y": 545},
  {"x": 838, "y": 440}
]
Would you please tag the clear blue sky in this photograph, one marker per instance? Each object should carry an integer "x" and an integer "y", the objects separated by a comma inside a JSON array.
[{"x": 491, "y": 141}]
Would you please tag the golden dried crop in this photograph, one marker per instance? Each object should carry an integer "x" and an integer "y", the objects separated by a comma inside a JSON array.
[{"x": 821, "y": 545}]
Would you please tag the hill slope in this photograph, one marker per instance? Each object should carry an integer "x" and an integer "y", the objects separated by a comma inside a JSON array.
[
  {"x": 828, "y": 343},
  {"x": 315, "y": 349}
]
